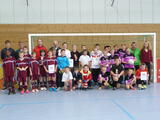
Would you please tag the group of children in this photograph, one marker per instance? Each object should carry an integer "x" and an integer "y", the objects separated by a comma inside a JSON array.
[{"x": 109, "y": 69}]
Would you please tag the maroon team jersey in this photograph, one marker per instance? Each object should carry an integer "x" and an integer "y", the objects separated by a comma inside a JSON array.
[
  {"x": 27, "y": 57},
  {"x": 34, "y": 65},
  {"x": 50, "y": 61},
  {"x": 41, "y": 65},
  {"x": 22, "y": 64},
  {"x": 9, "y": 65}
]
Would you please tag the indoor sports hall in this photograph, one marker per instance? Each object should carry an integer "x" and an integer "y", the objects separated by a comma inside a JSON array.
[{"x": 79, "y": 59}]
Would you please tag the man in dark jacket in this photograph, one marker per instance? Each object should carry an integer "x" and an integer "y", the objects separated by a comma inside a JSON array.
[
  {"x": 7, "y": 48},
  {"x": 56, "y": 47}
]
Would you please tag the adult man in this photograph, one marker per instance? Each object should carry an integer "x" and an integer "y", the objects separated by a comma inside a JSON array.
[
  {"x": 136, "y": 52},
  {"x": 67, "y": 51},
  {"x": 20, "y": 49},
  {"x": 7, "y": 48},
  {"x": 38, "y": 48},
  {"x": 55, "y": 47}
]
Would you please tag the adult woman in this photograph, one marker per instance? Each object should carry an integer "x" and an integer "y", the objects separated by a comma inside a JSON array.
[{"x": 146, "y": 57}]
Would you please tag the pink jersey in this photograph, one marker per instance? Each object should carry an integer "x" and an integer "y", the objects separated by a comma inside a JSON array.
[{"x": 9, "y": 65}]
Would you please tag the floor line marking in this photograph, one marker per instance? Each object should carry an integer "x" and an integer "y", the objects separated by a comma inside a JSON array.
[{"x": 123, "y": 110}]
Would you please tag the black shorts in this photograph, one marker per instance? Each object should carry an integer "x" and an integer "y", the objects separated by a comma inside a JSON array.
[
  {"x": 126, "y": 69},
  {"x": 120, "y": 80}
]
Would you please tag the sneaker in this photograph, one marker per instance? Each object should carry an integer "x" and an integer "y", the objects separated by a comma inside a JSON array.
[
  {"x": 109, "y": 86},
  {"x": 50, "y": 89},
  {"x": 27, "y": 91},
  {"x": 33, "y": 90},
  {"x": 13, "y": 91},
  {"x": 4, "y": 88},
  {"x": 71, "y": 90},
  {"x": 9, "y": 91},
  {"x": 54, "y": 89},
  {"x": 114, "y": 88},
  {"x": 140, "y": 86},
  {"x": 22, "y": 92},
  {"x": 41, "y": 88},
  {"x": 59, "y": 88},
  {"x": 45, "y": 88},
  {"x": 100, "y": 88},
  {"x": 36, "y": 90},
  {"x": 144, "y": 86}
]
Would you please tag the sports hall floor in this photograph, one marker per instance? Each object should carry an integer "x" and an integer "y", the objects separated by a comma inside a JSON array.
[{"x": 83, "y": 105}]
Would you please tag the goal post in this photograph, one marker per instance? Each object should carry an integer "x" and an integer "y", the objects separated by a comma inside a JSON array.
[{"x": 30, "y": 42}]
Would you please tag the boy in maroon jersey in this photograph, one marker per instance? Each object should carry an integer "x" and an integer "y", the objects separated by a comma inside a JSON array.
[
  {"x": 27, "y": 57},
  {"x": 50, "y": 66},
  {"x": 9, "y": 66},
  {"x": 43, "y": 81},
  {"x": 34, "y": 72},
  {"x": 22, "y": 66}
]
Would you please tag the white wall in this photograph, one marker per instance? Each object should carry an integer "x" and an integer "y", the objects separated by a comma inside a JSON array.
[{"x": 79, "y": 11}]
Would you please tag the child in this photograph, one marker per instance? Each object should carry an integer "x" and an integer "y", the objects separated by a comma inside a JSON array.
[
  {"x": 54, "y": 53},
  {"x": 85, "y": 59},
  {"x": 75, "y": 56},
  {"x": 97, "y": 47},
  {"x": 83, "y": 48},
  {"x": 43, "y": 81},
  {"x": 95, "y": 66},
  {"x": 50, "y": 66},
  {"x": 67, "y": 51},
  {"x": 67, "y": 79},
  {"x": 105, "y": 61},
  {"x": 9, "y": 70},
  {"x": 34, "y": 72},
  {"x": 122, "y": 51},
  {"x": 103, "y": 78},
  {"x": 142, "y": 76},
  {"x": 86, "y": 77},
  {"x": 116, "y": 50},
  {"x": 27, "y": 57},
  {"x": 112, "y": 56},
  {"x": 63, "y": 62},
  {"x": 117, "y": 71},
  {"x": 130, "y": 80},
  {"x": 22, "y": 66},
  {"x": 128, "y": 60},
  {"x": 77, "y": 79}
]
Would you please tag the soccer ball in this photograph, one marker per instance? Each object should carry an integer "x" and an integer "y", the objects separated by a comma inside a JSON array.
[{"x": 131, "y": 62}]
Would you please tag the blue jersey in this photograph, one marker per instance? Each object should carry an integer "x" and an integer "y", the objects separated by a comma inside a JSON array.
[{"x": 62, "y": 62}]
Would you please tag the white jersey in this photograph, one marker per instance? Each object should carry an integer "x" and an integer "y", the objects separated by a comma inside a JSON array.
[
  {"x": 84, "y": 59},
  {"x": 95, "y": 59},
  {"x": 67, "y": 76}
]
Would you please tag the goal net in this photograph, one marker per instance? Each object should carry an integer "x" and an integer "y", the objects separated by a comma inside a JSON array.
[{"x": 90, "y": 39}]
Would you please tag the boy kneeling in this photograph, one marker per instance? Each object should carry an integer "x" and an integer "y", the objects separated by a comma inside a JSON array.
[
  {"x": 67, "y": 79},
  {"x": 142, "y": 76},
  {"x": 117, "y": 71},
  {"x": 103, "y": 78}
]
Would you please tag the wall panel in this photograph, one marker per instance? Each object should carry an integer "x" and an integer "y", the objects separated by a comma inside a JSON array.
[{"x": 19, "y": 32}]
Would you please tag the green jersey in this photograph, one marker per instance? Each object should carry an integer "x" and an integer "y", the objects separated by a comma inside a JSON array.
[{"x": 136, "y": 52}]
